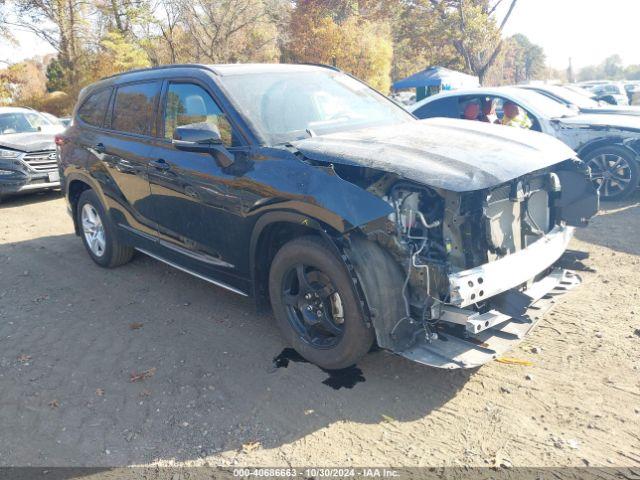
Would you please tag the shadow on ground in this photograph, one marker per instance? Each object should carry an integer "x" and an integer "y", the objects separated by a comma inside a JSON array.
[
  {"x": 73, "y": 336},
  {"x": 21, "y": 200},
  {"x": 616, "y": 223}
]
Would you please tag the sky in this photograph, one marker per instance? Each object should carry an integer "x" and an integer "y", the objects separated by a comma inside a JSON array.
[{"x": 588, "y": 31}]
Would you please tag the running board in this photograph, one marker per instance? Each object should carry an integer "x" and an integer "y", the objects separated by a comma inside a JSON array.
[
  {"x": 517, "y": 314},
  {"x": 191, "y": 272}
]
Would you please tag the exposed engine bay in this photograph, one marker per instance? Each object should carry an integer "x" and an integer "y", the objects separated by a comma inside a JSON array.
[
  {"x": 465, "y": 223},
  {"x": 475, "y": 262}
]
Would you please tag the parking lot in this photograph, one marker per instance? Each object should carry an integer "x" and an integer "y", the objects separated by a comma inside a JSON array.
[{"x": 147, "y": 365}]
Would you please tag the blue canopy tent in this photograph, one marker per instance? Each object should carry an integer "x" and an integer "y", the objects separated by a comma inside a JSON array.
[{"x": 437, "y": 77}]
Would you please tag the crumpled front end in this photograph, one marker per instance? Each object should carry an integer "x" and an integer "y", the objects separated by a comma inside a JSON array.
[{"x": 477, "y": 269}]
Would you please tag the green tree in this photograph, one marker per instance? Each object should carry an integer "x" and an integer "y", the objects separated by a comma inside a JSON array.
[
  {"x": 474, "y": 30},
  {"x": 322, "y": 32},
  {"x": 421, "y": 40},
  {"x": 63, "y": 24},
  {"x": 221, "y": 31},
  {"x": 632, "y": 72},
  {"x": 612, "y": 67},
  {"x": 56, "y": 77},
  {"x": 527, "y": 59},
  {"x": 118, "y": 54}
]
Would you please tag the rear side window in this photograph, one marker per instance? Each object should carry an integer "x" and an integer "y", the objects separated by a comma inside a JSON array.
[
  {"x": 134, "y": 107},
  {"x": 444, "y": 107},
  {"x": 95, "y": 107}
]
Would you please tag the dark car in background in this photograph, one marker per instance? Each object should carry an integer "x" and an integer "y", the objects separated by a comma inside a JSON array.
[
  {"x": 304, "y": 188},
  {"x": 27, "y": 151},
  {"x": 613, "y": 93},
  {"x": 609, "y": 144},
  {"x": 633, "y": 92}
]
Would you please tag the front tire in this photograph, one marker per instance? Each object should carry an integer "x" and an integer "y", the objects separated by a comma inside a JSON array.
[
  {"x": 315, "y": 305},
  {"x": 99, "y": 234},
  {"x": 615, "y": 171}
]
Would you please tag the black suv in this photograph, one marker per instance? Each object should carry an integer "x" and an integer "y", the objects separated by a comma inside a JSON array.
[{"x": 306, "y": 189}]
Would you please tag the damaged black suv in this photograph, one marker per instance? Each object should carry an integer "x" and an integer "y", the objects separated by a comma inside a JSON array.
[{"x": 306, "y": 189}]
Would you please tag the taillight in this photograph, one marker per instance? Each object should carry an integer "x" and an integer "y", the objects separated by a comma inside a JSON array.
[{"x": 60, "y": 140}]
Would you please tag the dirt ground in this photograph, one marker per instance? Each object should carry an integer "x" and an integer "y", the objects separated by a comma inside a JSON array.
[{"x": 73, "y": 335}]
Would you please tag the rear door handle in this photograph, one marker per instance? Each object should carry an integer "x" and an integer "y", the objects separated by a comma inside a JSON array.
[{"x": 160, "y": 164}]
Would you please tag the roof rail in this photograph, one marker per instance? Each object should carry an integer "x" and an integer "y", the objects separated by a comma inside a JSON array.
[
  {"x": 323, "y": 65},
  {"x": 161, "y": 67}
]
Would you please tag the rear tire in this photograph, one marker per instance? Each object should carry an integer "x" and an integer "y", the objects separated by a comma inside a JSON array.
[
  {"x": 98, "y": 233},
  {"x": 332, "y": 333},
  {"x": 615, "y": 170}
]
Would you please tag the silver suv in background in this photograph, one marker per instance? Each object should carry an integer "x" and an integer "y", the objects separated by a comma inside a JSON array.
[{"x": 28, "y": 159}]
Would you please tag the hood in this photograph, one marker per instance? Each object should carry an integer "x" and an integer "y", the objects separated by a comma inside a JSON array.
[
  {"x": 28, "y": 142},
  {"x": 456, "y": 155},
  {"x": 602, "y": 121}
]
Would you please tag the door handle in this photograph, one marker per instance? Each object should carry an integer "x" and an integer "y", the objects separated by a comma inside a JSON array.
[
  {"x": 160, "y": 164},
  {"x": 100, "y": 148}
]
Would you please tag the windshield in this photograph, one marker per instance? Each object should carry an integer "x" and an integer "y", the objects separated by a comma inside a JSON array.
[
  {"x": 544, "y": 105},
  {"x": 21, "y": 122},
  {"x": 52, "y": 118},
  {"x": 284, "y": 107},
  {"x": 572, "y": 97}
]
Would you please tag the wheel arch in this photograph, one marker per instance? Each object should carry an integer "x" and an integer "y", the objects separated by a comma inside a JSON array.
[
  {"x": 75, "y": 185},
  {"x": 593, "y": 145},
  {"x": 270, "y": 233}
]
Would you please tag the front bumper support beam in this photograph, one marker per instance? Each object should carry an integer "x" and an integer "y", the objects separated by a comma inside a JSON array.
[
  {"x": 481, "y": 283},
  {"x": 517, "y": 315}
]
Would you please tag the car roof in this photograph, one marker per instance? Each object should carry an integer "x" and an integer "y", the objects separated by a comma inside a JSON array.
[
  {"x": 513, "y": 92},
  {"x": 556, "y": 90},
  {"x": 220, "y": 70},
  {"x": 253, "y": 68},
  {"x": 15, "y": 110},
  {"x": 232, "y": 68}
]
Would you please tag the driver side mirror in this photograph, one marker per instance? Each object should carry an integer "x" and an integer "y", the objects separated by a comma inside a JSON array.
[
  {"x": 202, "y": 138},
  {"x": 201, "y": 133}
]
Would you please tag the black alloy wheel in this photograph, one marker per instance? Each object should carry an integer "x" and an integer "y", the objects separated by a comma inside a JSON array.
[
  {"x": 315, "y": 304},
  {"x": 314, "y": 308}
]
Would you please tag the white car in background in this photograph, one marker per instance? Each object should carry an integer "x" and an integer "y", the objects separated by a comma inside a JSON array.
[{"x": 609, "y": 144}]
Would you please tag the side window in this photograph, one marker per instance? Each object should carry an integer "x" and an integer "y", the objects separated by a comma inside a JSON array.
[
  {"x": 95, "y": 107},
  {"x": 189, "y": 104},
  {"x": 523, "y": 118},
  {"x": 37, "y": 120},
  {"x": 134, "y": 106},
  {"x": 444, "y": 107}
]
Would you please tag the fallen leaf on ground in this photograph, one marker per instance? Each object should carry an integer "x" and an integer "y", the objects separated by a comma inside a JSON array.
[
  {"x": 137, "y": 377},
  {"x": 24, "y": 358},
  {"x": 99, "y": 392},
  {"x": 145, "y": 393},
  {"x": 136, "y": 325},
  {"x": 514, "y": 361},
  {"x": 250, "y": 446},
  {"x": 54, "y": 403},
  {"x": 387, "y": 418}
]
